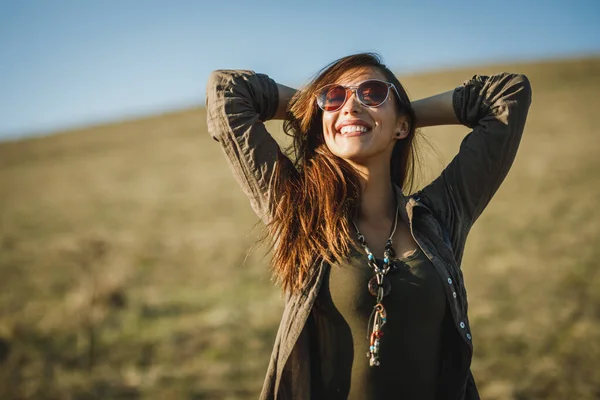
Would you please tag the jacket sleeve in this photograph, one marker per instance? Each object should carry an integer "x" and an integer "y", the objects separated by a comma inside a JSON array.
[
  {"x": 237, "y": 104},
  {"x": 496, "y": 108}
]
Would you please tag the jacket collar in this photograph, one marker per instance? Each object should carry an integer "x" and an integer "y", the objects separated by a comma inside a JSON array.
[{"x": 406, "y": 203}]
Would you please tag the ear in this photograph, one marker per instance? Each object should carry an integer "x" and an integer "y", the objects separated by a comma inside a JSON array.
[{"x": 402, "y": 128}]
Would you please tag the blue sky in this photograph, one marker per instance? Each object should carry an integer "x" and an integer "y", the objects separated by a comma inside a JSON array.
[{"x": 73, "y": 63}]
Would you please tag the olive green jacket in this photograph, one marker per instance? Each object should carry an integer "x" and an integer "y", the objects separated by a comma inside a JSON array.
[{"x": 440, "y": 215}]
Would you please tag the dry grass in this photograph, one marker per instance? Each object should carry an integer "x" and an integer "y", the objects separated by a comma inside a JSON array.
[{"x": 126, "y": 272}]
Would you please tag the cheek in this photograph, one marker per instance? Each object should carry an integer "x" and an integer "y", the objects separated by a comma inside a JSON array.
[
  {"x": 387, "y": 122},
  {"x": 329, "y": 130},
  {"x": 329, "y": 136},
  {"x": 328, "y": 123}
]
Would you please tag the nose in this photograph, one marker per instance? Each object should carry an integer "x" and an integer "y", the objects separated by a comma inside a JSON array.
[{"x": 352, "y": 105}]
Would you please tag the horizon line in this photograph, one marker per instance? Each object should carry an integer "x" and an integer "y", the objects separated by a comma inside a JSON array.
[{"x": 186, "y": 106}]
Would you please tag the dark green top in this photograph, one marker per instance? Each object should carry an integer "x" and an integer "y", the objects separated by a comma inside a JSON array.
[
  {"x": 442, "y": 213},
  {"x": 410, "y": 347}
]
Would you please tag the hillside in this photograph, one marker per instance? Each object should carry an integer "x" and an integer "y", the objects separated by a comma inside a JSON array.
[{"x": 128, "y": 270}]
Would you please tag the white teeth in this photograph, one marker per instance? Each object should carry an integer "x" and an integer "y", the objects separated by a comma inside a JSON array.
[{"x": 353, "y": 128}]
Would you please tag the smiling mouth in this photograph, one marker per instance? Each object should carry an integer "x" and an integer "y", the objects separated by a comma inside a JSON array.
[{"x": 353, "y": 130}]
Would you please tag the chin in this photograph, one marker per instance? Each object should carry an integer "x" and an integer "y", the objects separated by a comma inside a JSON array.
[
  {"x": 358, "y": 147},
  {"x": 354, "y": 157},
  {"x": 362, "y": 155}
]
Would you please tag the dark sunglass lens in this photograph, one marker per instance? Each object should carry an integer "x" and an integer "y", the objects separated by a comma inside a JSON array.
[
  {"x": 332, "y": 97},
  {"x": 372, "y": 93}
]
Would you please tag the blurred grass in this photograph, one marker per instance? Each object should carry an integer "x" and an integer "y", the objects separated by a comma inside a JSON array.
[{"x": 127, "y": 271}]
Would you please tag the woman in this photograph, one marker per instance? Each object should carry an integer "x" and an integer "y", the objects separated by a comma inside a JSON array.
[{"x": 366, "y": 269}]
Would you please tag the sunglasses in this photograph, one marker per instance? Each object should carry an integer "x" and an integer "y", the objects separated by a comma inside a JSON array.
[{"x": 370, "y": 93}]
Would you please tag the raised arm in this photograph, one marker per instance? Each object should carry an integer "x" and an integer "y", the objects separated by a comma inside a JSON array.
[
  {"x": 496, "y": 108},
  {"x": 435, "y": 110},
  {"x": 238, "y": 103}
]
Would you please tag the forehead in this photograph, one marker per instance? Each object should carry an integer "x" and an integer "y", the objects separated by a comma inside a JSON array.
[{"x": 358, "y": 75}]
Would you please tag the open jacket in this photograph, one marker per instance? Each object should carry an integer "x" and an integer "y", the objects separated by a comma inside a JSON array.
[{"x": 440, "y": 215}]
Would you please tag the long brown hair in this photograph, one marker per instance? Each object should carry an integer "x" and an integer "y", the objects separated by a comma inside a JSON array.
[{"x": 310, "y": 205}]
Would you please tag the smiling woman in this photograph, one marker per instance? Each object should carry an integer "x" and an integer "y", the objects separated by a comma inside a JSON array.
[{"x": 366, "y": 268}]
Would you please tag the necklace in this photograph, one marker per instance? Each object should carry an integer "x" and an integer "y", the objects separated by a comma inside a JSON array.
[{"x": 379, "y": 287}]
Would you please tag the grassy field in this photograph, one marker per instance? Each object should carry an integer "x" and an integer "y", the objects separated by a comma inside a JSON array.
[{"x": 127, "y": 268}]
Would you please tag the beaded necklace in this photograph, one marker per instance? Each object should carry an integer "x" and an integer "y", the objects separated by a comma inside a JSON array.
[{"x": 379, "y": 287}]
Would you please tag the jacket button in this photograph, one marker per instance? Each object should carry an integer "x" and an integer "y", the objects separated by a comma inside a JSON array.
[
  {"x": 454, "y": 294},
  {"x": 462, "y": 324},
  {"x": 469, "y": 336},
  {"x": 450, "y": 281}
]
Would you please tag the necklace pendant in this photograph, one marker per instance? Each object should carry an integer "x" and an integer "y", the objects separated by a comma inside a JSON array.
[
  {"x": 374, "y": 286},
  {"x": 373, "y": 360}
]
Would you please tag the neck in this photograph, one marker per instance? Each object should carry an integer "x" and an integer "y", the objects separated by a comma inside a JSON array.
[{"x": 378, "y": 202}]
